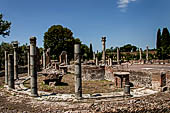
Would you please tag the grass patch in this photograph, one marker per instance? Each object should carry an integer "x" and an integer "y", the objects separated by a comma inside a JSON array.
[{"x": 88, "y": 87}]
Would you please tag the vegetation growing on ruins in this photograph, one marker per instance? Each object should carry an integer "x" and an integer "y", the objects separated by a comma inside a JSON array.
[{"x": 4, "y": 26}]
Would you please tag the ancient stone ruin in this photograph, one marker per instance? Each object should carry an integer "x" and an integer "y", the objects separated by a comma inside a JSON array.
[{"x": 134, "y": 78}]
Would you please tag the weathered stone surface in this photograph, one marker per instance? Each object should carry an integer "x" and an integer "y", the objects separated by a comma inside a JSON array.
[
  {"x": 33, "y": 70},
  {"x": 78, "y": 77},
  {"x": 103, "y": 50},
  {"x": 56, "y": 78},
  {"x": 11, "y": 82}
]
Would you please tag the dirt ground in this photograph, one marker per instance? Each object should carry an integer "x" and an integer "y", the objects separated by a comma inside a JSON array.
[
  {"x": 19, "y": 103},
  {"x": 67, "y": 86}
]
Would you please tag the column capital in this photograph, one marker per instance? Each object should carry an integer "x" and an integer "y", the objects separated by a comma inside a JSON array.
[
  {"x": 33, "y": 40},
  {"x": 15, "y": 44},
  {"x": 103, "y": 39}
]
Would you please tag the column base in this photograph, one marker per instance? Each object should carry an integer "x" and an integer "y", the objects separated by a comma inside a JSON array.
[{"x": 34, "y": 95}]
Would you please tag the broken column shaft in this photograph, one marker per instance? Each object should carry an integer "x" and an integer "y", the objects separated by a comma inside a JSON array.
[
  {"x": 11, "y": 71},
  {"x": 33, "y": 71},
  {"x": 97, "y": 61},
  {"x": 147, "y": 53},
  {"x": 140, "y": 53},
  {"x": 78, "y": 80}
]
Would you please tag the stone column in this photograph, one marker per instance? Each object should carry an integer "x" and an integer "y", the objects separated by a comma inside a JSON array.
[
  {"x": 103, "y": 48},
  {"x": 127, "y": 90},
  {"x": 11, "y": 71},
  {"x": 94, "y": 56},
  {"x": 110, "y": 62},
  {"x": 147, "y": 53},
  {"x": 66, "y": 60},
  {"x": 78, "y": 81},
  {"x": 127, "y": 86},
  {"x": 118, "y": 56},
  {"x": 15, "y": 46},
  {"x": 140, "y": 53},
  {"x": 33, "y": 71},
  {"x": 28, "y": 57},
  {"x": 6, "y": 67},
  {"x": 44, "y": 59},
  {"x": 97, "y": 61}
]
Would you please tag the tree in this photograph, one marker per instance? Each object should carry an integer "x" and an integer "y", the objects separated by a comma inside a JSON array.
[
  {"x": 165, "y": 38},
  {"x": 4, "y": 46},
  {"x": 128, "y": 48},
  {"x": 4, "y": 27},
  {"x": 59, "y": 39},
  {"x": 85, "y": 51},
  {"x": 158, "y": 41},
  {"x": 163, "y": 44},
  {"x": 91, "y": 51}
]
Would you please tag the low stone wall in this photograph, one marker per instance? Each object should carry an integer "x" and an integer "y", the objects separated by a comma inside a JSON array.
[
  {"x": 90, "y": 72},
  {"x": 139, "y": 78},
  {"x": 93, "y": 72}
]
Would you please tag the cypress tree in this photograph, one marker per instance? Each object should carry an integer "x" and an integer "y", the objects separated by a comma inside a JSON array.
[
  {"x": 165, "y": 38},
  {"x": 91, "y": 51},
  {"x": 158, "y": 41}
]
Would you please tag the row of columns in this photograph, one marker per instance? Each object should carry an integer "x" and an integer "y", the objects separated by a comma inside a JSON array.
[
  {"x": 118, "y": 52},
  {"x": 11, "y": 67}
]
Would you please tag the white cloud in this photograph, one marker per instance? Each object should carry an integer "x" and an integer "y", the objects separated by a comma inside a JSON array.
[{"x": 123, "y": 4}]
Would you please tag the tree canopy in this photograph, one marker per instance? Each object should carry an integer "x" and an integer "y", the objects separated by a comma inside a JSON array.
[
  {"x": 4, "y": 26},
  {"x": 128, "y": 48},
  {"x": 59, "y": 39}
]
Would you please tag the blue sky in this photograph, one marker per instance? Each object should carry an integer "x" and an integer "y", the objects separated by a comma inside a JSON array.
[{"x": 121, "y": 21}]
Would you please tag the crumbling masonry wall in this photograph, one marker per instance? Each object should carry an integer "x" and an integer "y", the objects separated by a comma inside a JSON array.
[
  {"x": 90, "y": 72},
  {"x": 140, "y": 78}
]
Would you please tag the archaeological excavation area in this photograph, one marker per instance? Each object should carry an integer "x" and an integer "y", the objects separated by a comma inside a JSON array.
[{"x": 109, "y": 84}]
